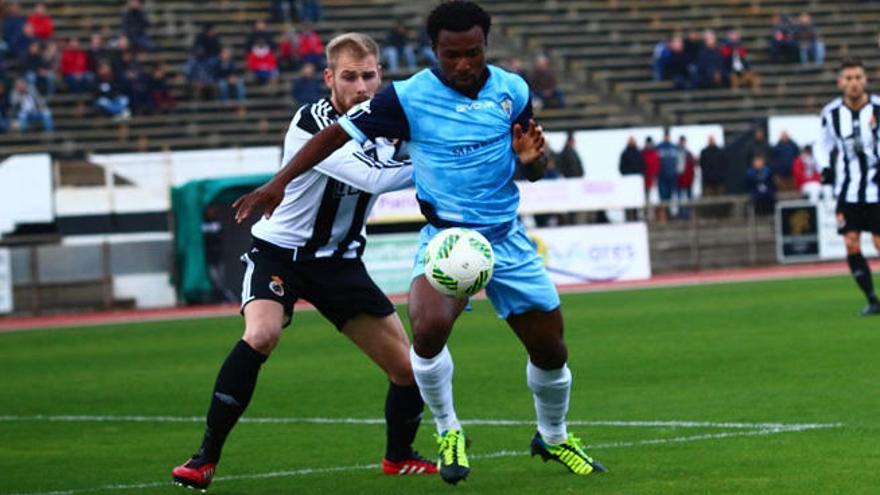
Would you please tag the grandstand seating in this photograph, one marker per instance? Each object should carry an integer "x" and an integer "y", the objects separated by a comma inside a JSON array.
[{"x": 601, "y": 49}]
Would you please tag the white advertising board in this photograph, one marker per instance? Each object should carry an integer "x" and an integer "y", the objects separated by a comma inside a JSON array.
[{"x": 546, "y": 196}]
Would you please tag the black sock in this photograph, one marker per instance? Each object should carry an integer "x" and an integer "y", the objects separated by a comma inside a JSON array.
[
  {"x": 232, "y": 393},
  {"x": 403, "y": 413},
  {"x": 858, "y": 265}
]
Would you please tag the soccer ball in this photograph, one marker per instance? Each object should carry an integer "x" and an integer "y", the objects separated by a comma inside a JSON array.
[{"x": 459, "y": 262}]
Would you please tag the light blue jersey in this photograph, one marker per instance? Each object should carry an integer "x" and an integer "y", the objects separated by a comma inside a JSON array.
[
  {"x": 463, "y": 165},
  {"x": 461, "y": 149}
]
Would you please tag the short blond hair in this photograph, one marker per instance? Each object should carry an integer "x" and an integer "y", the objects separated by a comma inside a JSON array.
[{"x": 358, "y": 44}]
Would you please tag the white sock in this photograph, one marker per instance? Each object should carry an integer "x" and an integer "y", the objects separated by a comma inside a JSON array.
[
  {"x": 434, "y": 377},
  {"x": 551, "y": 390}
]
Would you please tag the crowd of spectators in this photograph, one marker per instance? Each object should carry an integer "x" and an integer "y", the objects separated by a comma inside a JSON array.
[
  {"x": 700, "y": 60},
  {"x": 696, "y": 60},
  {"x": 109, "y": 66}
]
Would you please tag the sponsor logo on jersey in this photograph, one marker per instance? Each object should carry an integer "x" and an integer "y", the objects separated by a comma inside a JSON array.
[
  {"x": 477, "y": 105},
  {"x": 277, "y": 286}
]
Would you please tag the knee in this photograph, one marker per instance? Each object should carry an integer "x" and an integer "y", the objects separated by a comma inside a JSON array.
[
  {"x": 429, "y": 334},
  {"x": 401, "y": 374},
  {"x": 550, "y": 357},
  {"x": 262, "y": 337}
]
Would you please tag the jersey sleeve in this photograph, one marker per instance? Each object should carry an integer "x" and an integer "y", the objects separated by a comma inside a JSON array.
[
  {"x": 383, "y": 116},
  {"x": 525, "y": 115},
  {"x": 368, "y": 174},
  {"x": 826, "y": 143}
]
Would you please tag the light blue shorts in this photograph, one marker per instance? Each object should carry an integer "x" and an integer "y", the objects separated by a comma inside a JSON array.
[{"x": 520, "y": 282}]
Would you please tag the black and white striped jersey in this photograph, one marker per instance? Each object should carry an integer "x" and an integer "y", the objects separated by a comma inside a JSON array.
[
  {"x": 849, "y": 143},
  {"x": 324, "y": 210}
]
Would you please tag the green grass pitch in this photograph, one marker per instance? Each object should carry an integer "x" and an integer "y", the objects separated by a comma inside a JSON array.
[{"x": 657, "y": 372}]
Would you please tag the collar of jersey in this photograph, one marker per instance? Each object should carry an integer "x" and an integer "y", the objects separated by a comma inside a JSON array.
[{"x": 439, "y": 75}]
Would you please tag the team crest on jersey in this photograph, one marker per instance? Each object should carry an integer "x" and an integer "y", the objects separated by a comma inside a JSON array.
[
  {"x": 507, "y": 106},
  {"x": 277, "y": 286}
]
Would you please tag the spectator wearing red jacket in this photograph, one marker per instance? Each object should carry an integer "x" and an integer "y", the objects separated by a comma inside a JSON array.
[
  {"x": 311, "y": 49},
  {"x": 738, "y": 67},
  {"x": 75, "y": 68},
  {"x": 652, "y": 164},
  {"x": 807, "y": 177},
  {"x": 686, "y": 172},
  {"x": 41, "y": 23},
  {"x": 262, "y": 63}
]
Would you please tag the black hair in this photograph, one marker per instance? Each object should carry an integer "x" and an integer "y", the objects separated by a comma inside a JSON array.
[
  {"x": 850, "y": 61},
  {"x": 457, "y": 16}
]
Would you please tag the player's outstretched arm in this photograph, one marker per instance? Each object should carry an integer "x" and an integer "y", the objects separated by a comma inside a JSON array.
[
  {"x": 268, "y": 196},
  {"x": 529, "y": 147}
]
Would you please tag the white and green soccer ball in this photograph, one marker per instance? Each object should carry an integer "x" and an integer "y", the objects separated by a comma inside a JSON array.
[{"x": 459, "y": 262}]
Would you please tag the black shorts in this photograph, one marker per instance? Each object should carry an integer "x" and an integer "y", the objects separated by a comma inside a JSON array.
[
  {"x": 858, "y": 217},
  {"x": 339, "y": 288}
]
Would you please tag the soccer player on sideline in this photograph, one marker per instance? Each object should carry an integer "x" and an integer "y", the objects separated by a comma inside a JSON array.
[
  {"x": 847, "y": 154},
  {"x": 311, "y": 249},
  {"x": 465, "y": 124}
]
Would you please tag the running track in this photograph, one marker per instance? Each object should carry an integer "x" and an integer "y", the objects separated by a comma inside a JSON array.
[{"x": 667, "y": 280}]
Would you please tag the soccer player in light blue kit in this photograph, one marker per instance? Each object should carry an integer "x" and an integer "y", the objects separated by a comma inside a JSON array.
[{"x": 464, "y": 121}]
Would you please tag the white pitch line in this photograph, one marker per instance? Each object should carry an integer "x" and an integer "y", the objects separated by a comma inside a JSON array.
[
  {"x": 493, "y": 455},
  {"x": 381, "y": 421}
]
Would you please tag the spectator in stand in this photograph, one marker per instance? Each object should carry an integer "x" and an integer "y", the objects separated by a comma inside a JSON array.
[
  {"x": 783, "y": 46},
  {"x": 284, "y": 11},
  {"x": 545, "y": 91},
  {"x": 121, "y": 55},
  {"x": 131, "y": 77},
  {"x": 311, "y": 49},
  {"x": 75, "y": 68},
  {"x": 201, "y": 67},
  {"x": 807, "y": 176},
  {"x": 658, "y": 60},
  {"x": 228, "y": 75},
  {"x": 713, "y": 168},
  {"x": 758, "y": 146},
  {"x": 41, "y": 22},
  {"x": 398, "y": 44},
  {"x": 262, "y": 63},
  {"x": 784, "y": 153},
  {"x": 51, "y": 62},
  {"x": 667, "y": 179},
  {"x": 13, "y": 29},
  {"x": 20, "y": 50},
  {"x": 515, "y": 66},
  {"x": 36, "y": 71},
  {"x": 632, "y": 161},
  {"x": 693, "y": 45},
  {"x": 259, "y": 33},
  {"x": 109, "y": 98},
  {"x": 711, "y": 69},
  {"x": 207, "y": 44},
  {"x": 135, "y": 25},
  {"x": 4, "y": 107},
  {"x": 737, "y": 65},
  {"x": 568, "y": 162},
  {"x": 551, "y": 172},
  {"x": 307, "y": 88},
  {"x": 288, "y": 51},
  {"x": 161, "y": 99},
  {"x": 27, "y": 105},
  {"x": 310, "y": 10},
  {"x": 760, "y": 184},
  {"x": 425, "y": 50},
  {"x": 96, "y": 53},
  {"x": 676, "y": 66},
  {"x": 652, "y": 164},
  {"x": 810, "y": 47},
  {"x": 687, "y": 165}
]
